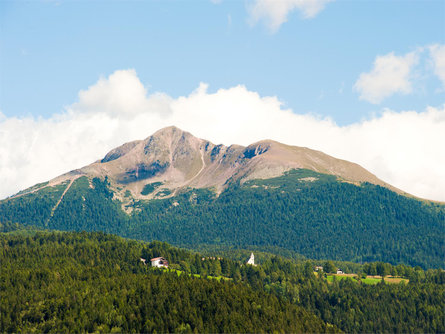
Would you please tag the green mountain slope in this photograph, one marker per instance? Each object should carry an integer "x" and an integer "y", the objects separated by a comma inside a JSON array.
[
  {"x": 321, "y": 218},
  {"x": 309, "y": 213}
]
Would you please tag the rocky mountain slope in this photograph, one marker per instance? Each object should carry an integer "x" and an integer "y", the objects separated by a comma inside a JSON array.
[{"x": 173, "y": 160}]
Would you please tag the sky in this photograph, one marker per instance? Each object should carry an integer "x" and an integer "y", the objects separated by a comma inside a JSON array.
[{"x": 359, "y": 80}]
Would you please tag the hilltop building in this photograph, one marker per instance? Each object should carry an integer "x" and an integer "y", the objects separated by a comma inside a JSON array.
[{"x": 159, "y": 262}]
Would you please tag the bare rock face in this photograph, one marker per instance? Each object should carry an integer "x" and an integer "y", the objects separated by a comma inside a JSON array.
[{"x": 176, "y": 160}]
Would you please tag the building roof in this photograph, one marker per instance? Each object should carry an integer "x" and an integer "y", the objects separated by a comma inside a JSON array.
[{"x": 157, "y": 258}]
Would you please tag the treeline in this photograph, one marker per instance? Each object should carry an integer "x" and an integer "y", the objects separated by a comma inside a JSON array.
[{"x": 96, "y": 282}]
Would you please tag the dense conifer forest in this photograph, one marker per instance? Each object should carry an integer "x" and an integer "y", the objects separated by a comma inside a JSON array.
[
  {"x": 65, "y": 281},
  {"x": 62, "y": 282},
  {"x": 306, "y": 213}
]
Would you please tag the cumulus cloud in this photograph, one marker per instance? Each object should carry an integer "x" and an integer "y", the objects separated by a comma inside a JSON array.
[
  {"x": 404, "y": 148},
  {"x": 121, "y": 94},
  {"x": 274, "y": 13},
  {"x": 391, "y": 74},
  {"x": 437, "y": 52}
]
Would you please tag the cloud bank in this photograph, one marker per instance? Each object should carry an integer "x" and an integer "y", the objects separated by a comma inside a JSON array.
[
  {"x": 404, "y": 148},
  {"x": 274, "y": 13}
]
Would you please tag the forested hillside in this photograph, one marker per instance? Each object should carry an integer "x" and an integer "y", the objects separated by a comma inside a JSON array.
[
  {"x": 304, "y": 212},
  {"x": 321, "y": 218},
  {"x": 96, "y": 282},
  {"x": 82, "y": 282}
]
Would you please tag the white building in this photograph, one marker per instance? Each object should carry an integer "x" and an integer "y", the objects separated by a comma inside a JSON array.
[
  {"x": 159, "y": 262},
  {"x": 251, "y": 260},
  {"x": 339, "y": 271}
]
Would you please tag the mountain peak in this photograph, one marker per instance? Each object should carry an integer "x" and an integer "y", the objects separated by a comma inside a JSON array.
[{"x": 170, "y": 131}]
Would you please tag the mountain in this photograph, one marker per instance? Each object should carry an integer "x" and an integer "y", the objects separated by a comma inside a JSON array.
[
  {"x": 187, "y": 191},
  {"x": 177, "y": 160}
]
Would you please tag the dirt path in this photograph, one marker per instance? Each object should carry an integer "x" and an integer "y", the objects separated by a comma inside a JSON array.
[
  {"x": 27, "y": 193},
  {"x": 187, "y": 183},
  {"x": 202, "y": 168},
  {"x": 63, "y": 194}
]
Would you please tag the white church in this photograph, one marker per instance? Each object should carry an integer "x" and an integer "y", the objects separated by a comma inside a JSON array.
[{"x": 251, "y": 260}]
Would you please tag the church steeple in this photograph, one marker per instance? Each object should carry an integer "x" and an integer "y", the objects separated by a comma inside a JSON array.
[{"x": 251, "y": 260}]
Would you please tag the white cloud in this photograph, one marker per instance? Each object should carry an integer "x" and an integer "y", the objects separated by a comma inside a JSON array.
[
  {"x": 121, "y": 94},
  {"x": 274, "y": 13},
  {"x": 402, "y": 148},
  {"x": 391, "y": 74},
  {"x": 437, "y": 53}
]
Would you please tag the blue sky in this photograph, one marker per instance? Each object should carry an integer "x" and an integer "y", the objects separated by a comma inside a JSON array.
[
  {"x": 360, "y": 80},
  {"x": 52, "y": 49}
]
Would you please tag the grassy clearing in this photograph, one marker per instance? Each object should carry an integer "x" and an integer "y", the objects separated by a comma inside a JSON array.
[
  {"x": 393, "y": 280},
  {"x": 371, "y": 280},
  {"x": 330, "y": 278},
  {"x": 180, "y": 272}
]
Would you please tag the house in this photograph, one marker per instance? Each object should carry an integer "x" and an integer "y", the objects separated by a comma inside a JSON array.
[
  {"x": 159, "y": 262},
  {"x": 339, "y": 271},
  {"x": 318, "y": 268},
  {"x": 251, "y": 260}
]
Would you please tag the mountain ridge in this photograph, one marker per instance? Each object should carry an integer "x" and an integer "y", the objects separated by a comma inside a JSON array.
[{"x": 178, "y": 160}]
